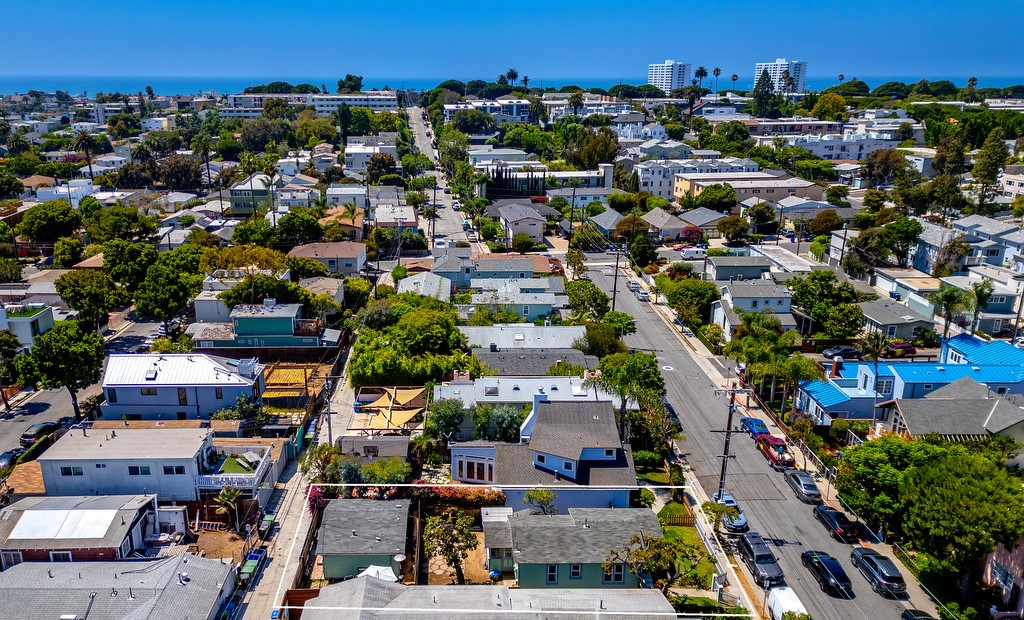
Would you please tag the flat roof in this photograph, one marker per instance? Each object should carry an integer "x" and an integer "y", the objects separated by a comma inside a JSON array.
[
  {"x": 172, "y": 369},
  {"x": 129, "y": 443}
]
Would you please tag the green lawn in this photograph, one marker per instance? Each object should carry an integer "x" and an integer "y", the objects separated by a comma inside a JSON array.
[
  {"x": 674, "y": 509},
  {"x": 689, "y": 535},
  {"x": 231, "y": 466},
  {"x": 653, "y": 476}
]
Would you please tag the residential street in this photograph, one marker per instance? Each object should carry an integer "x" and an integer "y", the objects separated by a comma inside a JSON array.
[{"x": 771, "y": 507}]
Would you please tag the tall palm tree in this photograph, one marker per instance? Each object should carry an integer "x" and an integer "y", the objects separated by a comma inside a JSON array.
[
  {"x": 575, "y": 101},
  {"x": 700, "y": 74},
  {"x": 5, "y": 130},
  {"x": 692, "y": 93},
  {"x": 796, "y": 369},
  {"x": 525, "y": 81},
  {"x": 201, "y": 146},
  {"x": 142, "y": 153},
  {"x": 512, "y": 75},
  {"x": 972, "y": 85},
  {"x": 784, "y": 82},
  {"x": 977, "y": 299},
  {"x": 17, "y": 143},
  {"x": 873, "y": 346},
  {"x": 841, "y": 78},
  {"x": 431, "y": 214},
  {"x": 716, "y": 72},
  {"x": 734, "y": 78},
  {"x": 83, "y": 142},
  {"x": 268, "y": 166},
  {"x": 227, "y": 503},
  {"x": 951, "y": 301},
  {"x": 249, "y": 165}
]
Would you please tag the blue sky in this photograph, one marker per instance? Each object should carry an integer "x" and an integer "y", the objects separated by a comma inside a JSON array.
[{"x": 599, "y": 38}]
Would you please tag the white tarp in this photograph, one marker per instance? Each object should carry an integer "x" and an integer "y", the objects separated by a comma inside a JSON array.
[{"x": 380, "y": 572}]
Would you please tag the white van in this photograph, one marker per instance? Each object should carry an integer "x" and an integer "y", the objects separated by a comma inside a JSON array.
[
  {"x": 692, "y": 253},
  {"x": 781, "y": 600}
]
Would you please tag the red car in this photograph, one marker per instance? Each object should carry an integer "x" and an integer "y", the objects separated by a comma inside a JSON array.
[
  {"x": 900, "y": 349},
  {"x": 776, "y": 451}
]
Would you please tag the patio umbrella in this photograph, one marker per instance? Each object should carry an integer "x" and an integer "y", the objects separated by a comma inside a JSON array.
[{"x": 380, "y": 572}]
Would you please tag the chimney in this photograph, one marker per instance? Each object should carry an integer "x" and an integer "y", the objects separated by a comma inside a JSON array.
[
  {"x": 834, "y": 371},
  {"x": 494, "y": 347}
]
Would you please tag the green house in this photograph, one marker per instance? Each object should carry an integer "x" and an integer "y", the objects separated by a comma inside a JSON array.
[
  {"x": 264, "y": 325},
  {"x": 566, "y": 551},
  {"x": 358, "y": 533}
]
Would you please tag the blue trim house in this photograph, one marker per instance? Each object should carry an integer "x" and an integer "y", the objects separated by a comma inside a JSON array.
[
  {"x": 969, "y": 349},
  {"x": 849, "y": 391}
]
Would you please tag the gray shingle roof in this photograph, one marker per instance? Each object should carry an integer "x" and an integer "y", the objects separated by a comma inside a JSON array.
[
  {"x": 514, "y": 466},
  {"x": 663, "y": 220},
  {"x": 584, "y": 536},
  {"x": 49, "y": 590},
  {"x": 889, "y": 312},
  {"x": 607, "y": 219},
  {"x": 516, "y": 213},
  {"x": 370, "y": 520},
  {"x": 532, "y": 362},
  {"x": 964, "y": 407},
  {"x": 701, "y": 216},
  {"x": 565, "y": 428}
]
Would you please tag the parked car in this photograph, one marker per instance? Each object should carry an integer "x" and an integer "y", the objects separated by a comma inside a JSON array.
[
  {"x": 37, "y": 432},
  {"x": 803, "y": 485},
  {"x": 10, "y": 457},
  {"x": 915, "y": 614},
  {"x": 828, "y": 572},
  {"x": 737, "y": 525},
  {"x": 776, "y": 451},
  {"x": 760, "y": 560},
  {"x": 693, "y": 253},
  {"x": 642, "y": 295},
  {"x": 754, "y": 427},
  {"x": 837, "y": 523},
  {"x": 900, "y": 349},
  {"x": 880, "y": 571},
  {"x": 846, "y": 352}
]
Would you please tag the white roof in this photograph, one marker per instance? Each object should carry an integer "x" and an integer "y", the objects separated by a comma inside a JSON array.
[
  {"x": 171, "y": 369},
  {"x": 127, "y": 444}
]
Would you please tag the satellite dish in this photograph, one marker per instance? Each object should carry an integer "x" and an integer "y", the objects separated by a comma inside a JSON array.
[{"x": 400, "y": 558}]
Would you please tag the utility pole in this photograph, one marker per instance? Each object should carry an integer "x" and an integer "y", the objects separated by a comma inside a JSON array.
[
  {"x": 572, "y": 209},
  {"x": 618, "y": 252},
  {"x": 330, "y": 435},
  {"x": 732, "y": 392}
]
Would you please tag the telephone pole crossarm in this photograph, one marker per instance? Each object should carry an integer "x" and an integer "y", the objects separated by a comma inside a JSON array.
[{"x": 727, "y": 453}]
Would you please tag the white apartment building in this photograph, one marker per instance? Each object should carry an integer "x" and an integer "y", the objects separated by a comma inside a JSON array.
[
  {"x": 669, "y": 75},
  {"x": 851, "y": 146},
  {"x": 658, "y": 176},
  {"x": 357, "y": 158},
  {"x": 797, "y": 70},
  {"x": 74, "y": 191},
  {"x": 250, "y": 105},
  {"x": 503, "y": 110}
]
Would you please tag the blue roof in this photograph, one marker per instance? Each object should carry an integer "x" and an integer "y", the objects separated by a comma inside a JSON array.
[
  {"x": 928, "y": 372},
  {"x": 824, "y": 393},
  {"x": 977, "y": 351}
]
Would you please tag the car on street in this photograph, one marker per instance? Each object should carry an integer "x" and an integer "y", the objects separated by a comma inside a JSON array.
[
  {"x": 37, "y": 432},
  {"x": 733, "y": 526},
  {"x": 900, "y": 349},
  {"x": 916, "y": 614},
  {"x": 642, "y": 295},
  {"x": 440, "y": 243},
  {"x": 837, "y": 523},
  {"x": 10, "y": 457},
  {"x": 844, "y": 351},
  {"x": 776, "y": 451},
  {"x": 803, "y": 485},
  {"x": 759, "y": 560},
  {"x": 754, "y": 427},
  {"x": 881, "y": 572},
  {"x": 828, "y": 572}
]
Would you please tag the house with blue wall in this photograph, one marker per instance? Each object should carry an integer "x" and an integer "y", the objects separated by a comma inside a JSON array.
[
  {"x": 851, "y": 390},
  {"x": 1001, "y": 312},
  {"x": 269, "y": 324},
  {"x": 530, "y": 298},
  {"x": 970, "y": 349},
  {"x": 566, "y": 446},
  {"x": 456, "y": 265}
]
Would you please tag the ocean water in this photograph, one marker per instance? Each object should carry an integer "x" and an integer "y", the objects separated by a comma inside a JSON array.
[{"x": 183, "y": 85}]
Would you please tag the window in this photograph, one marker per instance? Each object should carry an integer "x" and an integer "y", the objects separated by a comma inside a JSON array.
[
  {"x": 149, "y": 391},
  {"x": 138, "y": 470},
  {"x": 567, "y": 465},
  {"x": 1001, "y": 390},
  {"x": 10, "y": 558},
  {"x": 891, "y": 331},
  {"x": 955, "y": 357},
  {"x": 927, "y": 386},
  {"x": 753, "y": 304},
  {"x": 615, "y": 574},
  {"x": 575, "y": 571},
  {"x": 71, "y": 471},
  {"x": 610, "y": 452},
  {"x": 182, "y": 396},
  {"x": 526, "y": 310},
  {"x": 1003, "y": 576},
  {"x": 174, "y": 470},
  {"x": 219, "y": 393},
  {"x": 998, "y": 299},
  {"x": 101, "y": 465},
  {"x": 112, "y": 396},
  {"x": 540, "y": 459},
  {"x": 60, "y": 556},
  {"x": 884, "y": 386},
  {"x": 552, "y": 573}
]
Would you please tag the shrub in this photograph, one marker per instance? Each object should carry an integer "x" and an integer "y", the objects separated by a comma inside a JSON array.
[
  {"x": 645, "y": 458},
  {"x": 652, "y": 269},
  {"x": 717, "y": 252},
  {"x": 470, "y": 497},
  {"x": 642, "y": 498}
]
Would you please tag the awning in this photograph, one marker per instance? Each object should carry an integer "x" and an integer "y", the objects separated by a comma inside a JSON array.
[
  {"x": 380, "y": 572},
  {"x": 397, "y": 421}
]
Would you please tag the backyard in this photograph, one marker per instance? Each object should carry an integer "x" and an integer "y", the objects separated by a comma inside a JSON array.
[{"x": 688, "y": 535}]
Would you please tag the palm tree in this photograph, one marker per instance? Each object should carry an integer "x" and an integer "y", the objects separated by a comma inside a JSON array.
[
  {"x": 525, "y": 81},
  {"x": 951, "y": 301},
  {"x": 5, "y": 130},
  {"x": 431, "y": 214},
  {"x": 784, "y": 81},
  {"x": 734, "y": 78},
  {"x": 841, "y": 78},
  {"x": 83, "y": 142},
  {"x": 692, "y": 93},
  {"x": 978, "y": 298},
  {"x": 201, "y": 146},
  {"x": 227, "y": 503},
  {"x": 700, "y": 74},
  {"x": 512, "y": 75},
  {"x": 249, "y": 165},
  {"x": 575, "y": 101},
  {"x": 972, "y": 85},
  {"x": 796, "y": 369},
  {"x": 269, "y": 167},
  {"x": 716, "y": 72},
  {"x": 873, "y": 346},
  {"x": 17, "y": 143},
  {"x": 142, "y": 153}
]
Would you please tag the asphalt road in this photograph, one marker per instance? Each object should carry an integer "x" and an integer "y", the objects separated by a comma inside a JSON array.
[
  {"x": 771, "y": 508},
  {"x": 55, "y": 405}
]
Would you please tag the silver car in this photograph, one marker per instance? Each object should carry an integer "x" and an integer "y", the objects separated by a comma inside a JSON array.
[{"x": 804, "y": 487}]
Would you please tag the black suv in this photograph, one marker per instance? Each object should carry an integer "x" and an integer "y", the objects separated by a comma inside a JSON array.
[
  {"x": 880, "y": 572},
  {"x": 37, "y": 432},
  {"x": 838, "y": 524},
  {"x": 760, "y": 560},
  {"x": 828, "y": 572},
  {"x": 846, "y": 352}
]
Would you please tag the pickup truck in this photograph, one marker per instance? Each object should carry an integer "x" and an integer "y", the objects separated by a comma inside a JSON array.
[{"x": 776, "y": 451}]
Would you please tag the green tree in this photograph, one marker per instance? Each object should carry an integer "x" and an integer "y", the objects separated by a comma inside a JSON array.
[
  {"x": 522, "y": 243},
  {"x": 586, "y": 299},
  {"x": 449, "y": 536},
  {"x": 91, "y": 293},
  {"x": 825, "y": 221},
  {"x": 180, "y": 172},
  {"x": 958, "y": 508},
  {"x": 48, "y": 221},
  {"x": 733, "y": 227},
  {"x": 841, "y": 321},
  {"x": 10, "y": 346},
  {"x": 83, "y": 141},
  {"x": 899, "y": 237},
  {"x": 507, "y": 419},
  {"x": 10, "y": 270},
  {"x": 670, "y": 560},
  {"x": 68, "y": 357},
  {"x": 302, "y": 267},
  {"x": 380, "y": 164},
  {"x": 717, "y": 197},
  {"x": 164, "y": 292},
  {"x": 298, "y": 228},
  {"x": 574, "y": 259},
  {"x": 987, "y": 163},
  {"x": 951, "y": 301},
  {"x": 67, "y": 252},
  {"x": 632, "y": 377},
  {"x": 254, "y": 232},
  {"x": 978, "y": 298},
  {"x": 764, "y": 93},
  {"x": 541, "y": 500},
  {"x": 873, "y": 346},
  {"x": 127, "y": 262},
  {"x": 254, "y": 288},
  {"x": 830, "y": 107},
  {"x": 227, "y": 504},
  {"x": 444, "y": 420},
  {"x": 716, "y": 512},
  {"x": 120, "y": 222},
  {"x": 600, "y": 340},
  {"x": 622, "y": 323}
]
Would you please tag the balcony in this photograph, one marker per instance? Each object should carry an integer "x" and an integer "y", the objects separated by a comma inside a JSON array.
[
  {"x": 307, "y": 327},
  {"x": 228, "y": 472}
]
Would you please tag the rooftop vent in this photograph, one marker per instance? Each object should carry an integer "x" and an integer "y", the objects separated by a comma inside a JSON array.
[{"x": 151, "y": 375}]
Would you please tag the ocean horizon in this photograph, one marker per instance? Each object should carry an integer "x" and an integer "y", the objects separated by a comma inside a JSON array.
[{"x": 195, "y": 85}]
